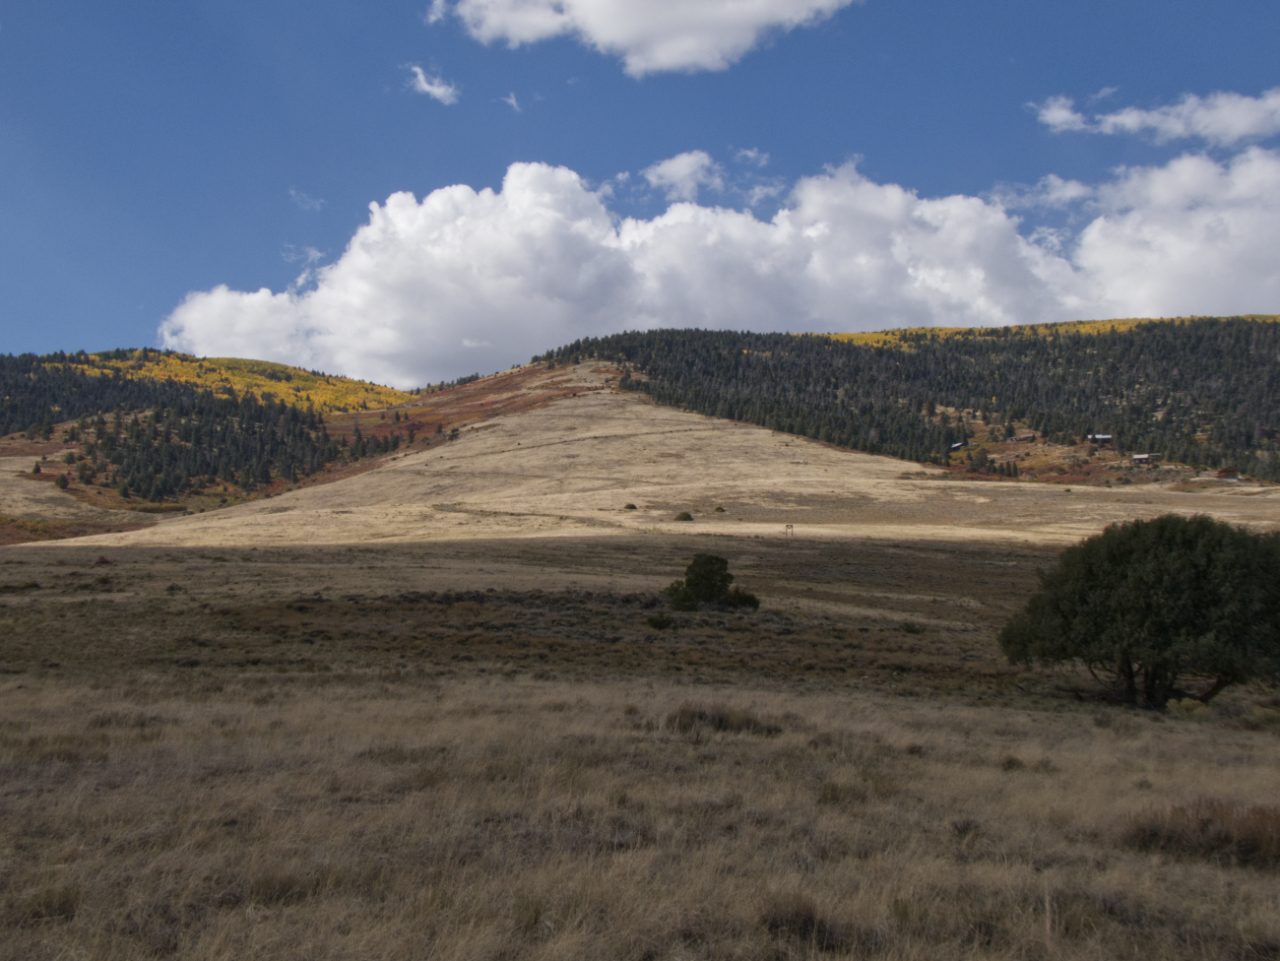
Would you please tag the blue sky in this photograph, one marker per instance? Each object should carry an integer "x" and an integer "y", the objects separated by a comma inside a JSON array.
[{"x": 200, "y": 174}]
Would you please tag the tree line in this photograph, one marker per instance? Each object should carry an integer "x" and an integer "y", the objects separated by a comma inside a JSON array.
[{"x": 1203, "y": 392}]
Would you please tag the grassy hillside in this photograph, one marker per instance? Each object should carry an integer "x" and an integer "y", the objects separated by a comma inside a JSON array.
[
  {"x": 157, "y": 433},
  {"x": 1203, "y": 392}
]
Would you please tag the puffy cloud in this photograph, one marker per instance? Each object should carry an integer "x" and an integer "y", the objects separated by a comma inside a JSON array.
[
  {"x": 435, "y": 87},
  {"x": 466, "y": 281},
  {"x": 682, "y": 175},
  {"x": 660, "y": 35},
  {"x": 1059, "y": 114},
  {"x": 424, "y": 286},
  {"x": 1192, "y": 237},
  {"x": 1221, "y": 119}
]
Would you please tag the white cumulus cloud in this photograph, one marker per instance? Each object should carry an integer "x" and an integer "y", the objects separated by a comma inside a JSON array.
[
  {"x": 467, "y": 280},
  {"x": 681, "y": 176},
  {"x": 435, "y": 87},
  {"x": 1221, "y": 119},
  {"x": 651, "y": 37},
  {"x": 1192, "y": 237}
]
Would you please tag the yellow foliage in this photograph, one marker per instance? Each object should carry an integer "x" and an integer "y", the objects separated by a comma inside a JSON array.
[
  {"x": 293, "y": 385},
  {"x": 893, "y": 338}
]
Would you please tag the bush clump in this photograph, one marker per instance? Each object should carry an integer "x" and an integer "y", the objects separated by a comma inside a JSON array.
[{"x": 707, "y": 581}]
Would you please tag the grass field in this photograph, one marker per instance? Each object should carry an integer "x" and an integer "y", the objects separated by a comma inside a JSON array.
[{"x": 413, "y": 752}]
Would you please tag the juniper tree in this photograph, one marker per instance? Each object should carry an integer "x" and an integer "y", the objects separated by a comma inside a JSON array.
[{"x": 1157, "y": 604}]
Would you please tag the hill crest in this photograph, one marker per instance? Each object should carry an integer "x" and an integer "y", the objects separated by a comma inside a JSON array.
[{"x": 904, "y": 335}]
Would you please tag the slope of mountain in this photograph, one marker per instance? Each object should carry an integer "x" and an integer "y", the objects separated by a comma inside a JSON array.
[
  {"x": 590, "y": 460},
  {"x": 1203, "y": 392},
  {"x": 170, "y": 448}
]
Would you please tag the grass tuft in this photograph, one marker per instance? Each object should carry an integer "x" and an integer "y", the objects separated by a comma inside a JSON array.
[
  {"x": 52, "y": 903},
  {"x": 718, "y": 717},
  {"x": 796, "y": 917},
  {"x": 1210, "y": 829}
]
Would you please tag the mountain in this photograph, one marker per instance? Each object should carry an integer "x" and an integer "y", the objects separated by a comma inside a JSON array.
[
  {"x": 133, "y": 433},
  {"x": 1203, "y": 392}
]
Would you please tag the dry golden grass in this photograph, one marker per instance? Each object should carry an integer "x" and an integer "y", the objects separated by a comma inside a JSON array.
[
  {"x": 343, "y": 753},
  {"x": 510, "y": 818},
  {"x": 1210, "y": 828}
]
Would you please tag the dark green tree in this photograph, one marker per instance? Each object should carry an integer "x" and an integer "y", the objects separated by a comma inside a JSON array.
[
  {"x": 706, "y": 581},
  {"x": 1159, "y": 603},
  {"x": 708, "y": 577}
]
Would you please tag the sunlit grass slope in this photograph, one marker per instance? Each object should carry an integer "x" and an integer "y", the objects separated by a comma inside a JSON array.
[
  {"x": 906, "y": 334},
  {"x": 293, "y": 385}
]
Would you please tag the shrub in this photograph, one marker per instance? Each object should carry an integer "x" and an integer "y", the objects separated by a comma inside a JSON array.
[
  {"x": 629, "y": 507},
  {"x": 684, "y": 516},
  {"x": 660, "y": 622},
  {"x": 61, "y": 482},
  {"x": 1152, "y": 602},
  {"x": 737, "y": 597},
  {"x": 682, "y": 599}
]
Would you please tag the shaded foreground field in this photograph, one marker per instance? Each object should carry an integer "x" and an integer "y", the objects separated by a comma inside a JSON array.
[{"x": 482, "y": 750}]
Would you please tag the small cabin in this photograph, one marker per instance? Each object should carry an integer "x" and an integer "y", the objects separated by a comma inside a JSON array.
[
  {"x": 1099, "y": 438},
  {"x": 1141, "y": 460},
  {"x": 1025, "y": 436}
]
